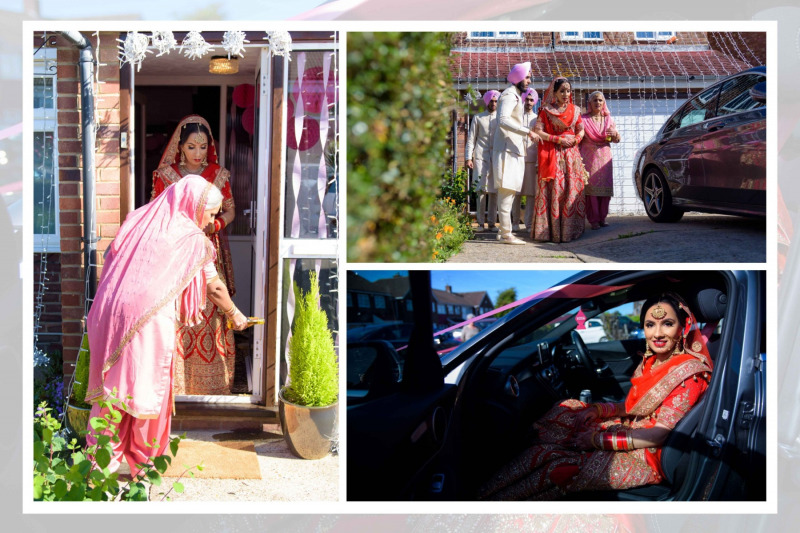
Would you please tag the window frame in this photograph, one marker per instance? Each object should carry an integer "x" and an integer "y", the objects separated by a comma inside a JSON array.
[
  {"x": 495, "y": 36},
  {"x": 581, "y": 36},
  {"x": 45, "y": 121},
  {"x": 658, "y": 36}
]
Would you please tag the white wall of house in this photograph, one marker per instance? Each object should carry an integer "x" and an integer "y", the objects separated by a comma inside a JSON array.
[{"x": 637, "y": 121}]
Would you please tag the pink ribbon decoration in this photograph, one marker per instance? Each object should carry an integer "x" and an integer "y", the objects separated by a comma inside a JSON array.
[
  {"x": 560, "y": 291},
  {"x": 322, "y": 175}
]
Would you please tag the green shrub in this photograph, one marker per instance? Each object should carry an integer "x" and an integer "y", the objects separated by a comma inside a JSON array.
[
  {"x": 313, "y": 369},
  {"x": 66, "y": 471},
  {"x": 399, "y": 100}
]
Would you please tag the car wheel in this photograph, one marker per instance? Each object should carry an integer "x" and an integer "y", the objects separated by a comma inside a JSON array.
[{"x": 657, "y": 198}]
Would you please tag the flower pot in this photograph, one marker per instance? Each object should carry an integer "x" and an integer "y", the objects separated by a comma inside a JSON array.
[
  {"x": 308, "y": 430},
  {"x": 78, "y": 420}
]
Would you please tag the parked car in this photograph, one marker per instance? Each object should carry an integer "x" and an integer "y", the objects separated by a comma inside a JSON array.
[
  {"x": 593, "y": 331},
  {"x": 451, "y": 421},
  {"x": 710, "y": 155}
]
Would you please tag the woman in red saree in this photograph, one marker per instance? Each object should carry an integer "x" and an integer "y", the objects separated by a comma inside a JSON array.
[
  {"x": 158, "y": 271},
  {"x": 207, "y": 351},
  {"x": 560, "y": 205},
  {"x": 610, "y": 446},
  {"x": 601, "y": 131}
]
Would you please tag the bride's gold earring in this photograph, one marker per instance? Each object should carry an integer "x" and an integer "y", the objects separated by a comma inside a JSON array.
[
  {"x": 183, "y": 158},
  {"x": 647, "y": 352}
]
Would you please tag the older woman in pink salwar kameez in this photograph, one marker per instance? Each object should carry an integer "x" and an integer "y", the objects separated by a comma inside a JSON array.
[
  {"x": 157, "y": 273},
  {"x": 596, "y": 153}
]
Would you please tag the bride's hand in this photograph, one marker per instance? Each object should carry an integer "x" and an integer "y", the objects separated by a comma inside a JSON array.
[{"x": 585, "y": 417}]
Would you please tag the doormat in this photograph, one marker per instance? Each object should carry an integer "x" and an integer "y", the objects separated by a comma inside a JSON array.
[{"x": 221, "y": 460}]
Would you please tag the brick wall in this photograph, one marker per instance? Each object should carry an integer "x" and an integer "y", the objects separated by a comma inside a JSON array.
[
  {"x": 546, "y": 39},
  {"x": 107, "y": 174}
]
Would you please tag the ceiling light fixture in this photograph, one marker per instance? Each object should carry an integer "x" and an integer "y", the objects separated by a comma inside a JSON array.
[{"x": 223, "y": 65}]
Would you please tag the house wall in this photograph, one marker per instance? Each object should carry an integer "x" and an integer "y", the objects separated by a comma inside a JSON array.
[{"x": 107, "y": 169}]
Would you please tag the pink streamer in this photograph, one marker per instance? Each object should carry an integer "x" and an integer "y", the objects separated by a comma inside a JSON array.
[
  {"x": 322, "y": 175},
  {"x": 299, "y": 113},
  {"x": 560, "y": 291}
]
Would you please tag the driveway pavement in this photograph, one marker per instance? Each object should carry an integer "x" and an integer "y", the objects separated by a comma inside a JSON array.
[{"x": 697, "y": 238}]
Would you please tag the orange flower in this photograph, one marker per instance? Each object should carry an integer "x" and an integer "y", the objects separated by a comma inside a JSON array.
[
  {"x": 438, "y": 235},
  {"x": 448, "y": 229},
  {"x": 433, "y": 219}
]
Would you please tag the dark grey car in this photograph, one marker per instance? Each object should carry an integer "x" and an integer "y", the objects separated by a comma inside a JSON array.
[{"x": 710, "y": 155}]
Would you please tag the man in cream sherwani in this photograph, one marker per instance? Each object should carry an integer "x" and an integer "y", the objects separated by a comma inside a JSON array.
[
  {"x": 508, "y": 154},
  {"x": 479, "y": 157},
  {"x": 529, "y": 98}
]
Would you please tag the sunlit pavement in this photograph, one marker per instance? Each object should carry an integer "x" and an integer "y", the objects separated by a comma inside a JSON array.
[{"x": 697, "y": 238}]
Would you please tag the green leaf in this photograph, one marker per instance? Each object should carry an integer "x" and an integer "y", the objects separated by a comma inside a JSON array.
[
  {"x": 173, "y": 447},
  {"x": 47, "y": 435},
  {"x": 154, "y": 477},
  {"x": 60, "y": 488},
  {"x": 178, "y": 487},
  {"x": 102, "y": 440},
  {"x": 103, "y": 457},
  {"x": 38, "y": 449},
  {"x": 76, "y": 493},
  {"x": 97, "y": 476},
  {"x": 38, "y": 491},
  {"x": 161, "y": 463},
  {"x": 98, "y": 424}
]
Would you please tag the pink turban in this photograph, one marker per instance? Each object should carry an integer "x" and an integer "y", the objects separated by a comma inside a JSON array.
[
  {"x": 530, "y": 91},
  {"x": 489, "y": 96},
  {"x": 518, "y": 72}
]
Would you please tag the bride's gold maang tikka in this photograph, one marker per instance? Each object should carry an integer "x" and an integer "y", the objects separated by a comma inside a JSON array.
[{"x": 658, "y": 312}]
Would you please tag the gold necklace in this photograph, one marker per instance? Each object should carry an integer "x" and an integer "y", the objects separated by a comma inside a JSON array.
[{"x": 184, "y": 171}]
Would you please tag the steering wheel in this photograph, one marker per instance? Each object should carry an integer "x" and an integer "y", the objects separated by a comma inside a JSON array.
[{"x": 583, "y": 353}]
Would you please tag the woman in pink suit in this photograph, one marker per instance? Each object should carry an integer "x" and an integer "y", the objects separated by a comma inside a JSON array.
[
  {"x": 596, "y": 153},
  {"x": 157, "y": 274}
]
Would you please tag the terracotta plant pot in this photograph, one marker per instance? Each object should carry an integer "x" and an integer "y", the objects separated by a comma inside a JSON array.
[{"x": 308, "y": 430}]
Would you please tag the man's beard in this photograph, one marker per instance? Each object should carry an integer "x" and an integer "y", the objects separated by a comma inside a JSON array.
[{"x": 520, "y": 86}]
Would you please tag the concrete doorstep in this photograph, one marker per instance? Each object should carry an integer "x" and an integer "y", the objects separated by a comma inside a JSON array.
[{"x": 697, "y": 238}]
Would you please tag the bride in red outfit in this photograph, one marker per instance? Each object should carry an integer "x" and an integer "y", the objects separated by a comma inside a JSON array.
[
  {"x": 609, "y": 446},
  {"x": 206, "y": 352}
]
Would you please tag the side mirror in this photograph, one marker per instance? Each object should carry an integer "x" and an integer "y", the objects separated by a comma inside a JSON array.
[{"x": 758, "y": 92}]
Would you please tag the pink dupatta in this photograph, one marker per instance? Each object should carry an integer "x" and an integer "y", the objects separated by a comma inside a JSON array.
[
  {"x": 153, "y": 261},
  {"x": 593, "y": 132}
]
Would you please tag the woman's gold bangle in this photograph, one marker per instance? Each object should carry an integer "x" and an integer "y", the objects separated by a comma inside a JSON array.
[{"x": 228, "y": 312}]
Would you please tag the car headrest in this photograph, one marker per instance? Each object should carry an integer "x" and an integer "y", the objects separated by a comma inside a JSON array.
[{"x": 709, "y": 305}]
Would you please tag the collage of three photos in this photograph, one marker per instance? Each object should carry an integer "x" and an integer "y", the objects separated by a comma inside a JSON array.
[{"x": 236, "y": 298}]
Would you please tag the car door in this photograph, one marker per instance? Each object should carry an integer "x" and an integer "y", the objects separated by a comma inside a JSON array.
[
  {"x": 680, "y": 153},
  {"x": 734, "y": 148},
  {"x": 400, "y": 435}
]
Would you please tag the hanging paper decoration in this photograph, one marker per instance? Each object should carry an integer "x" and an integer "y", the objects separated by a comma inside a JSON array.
[
  {"x": 164, "y": 42},
  {"x": 233, "y": 43},
  {"x": 133, "y": 49},
  {"x": 194, "y": 45},
  {"x": 280, "y": 43},
  {"x": 315, "y": 90}
]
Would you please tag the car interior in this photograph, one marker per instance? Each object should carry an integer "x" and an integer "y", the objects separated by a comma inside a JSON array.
[{"x": 441, "y": 442}]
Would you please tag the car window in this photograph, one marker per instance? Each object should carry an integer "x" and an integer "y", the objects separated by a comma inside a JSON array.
[
  {"x": 700, "y": 108},
  {"x": 616, "y": 324},
  {"x": 735, "y": 94}
]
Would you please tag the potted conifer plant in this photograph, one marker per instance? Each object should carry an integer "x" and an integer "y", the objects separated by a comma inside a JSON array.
[
  {"x": 309, "y": 402},
  {"x": 77, "y": 408}
]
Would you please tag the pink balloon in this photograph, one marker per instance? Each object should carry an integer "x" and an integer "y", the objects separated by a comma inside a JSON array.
[
  {"x": 249, "y": 119},
  {"x": 244, "y": 95}
]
